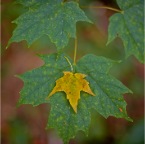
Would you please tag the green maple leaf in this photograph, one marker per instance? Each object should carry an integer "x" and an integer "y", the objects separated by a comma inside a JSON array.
[
  {"x": 129, "y": 26},
  {"x": 108, "y": 99},
  {"x": 55, "y": 19}
]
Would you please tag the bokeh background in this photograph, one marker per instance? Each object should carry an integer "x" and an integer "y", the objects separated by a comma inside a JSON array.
[{"x": 26, "y": 124}]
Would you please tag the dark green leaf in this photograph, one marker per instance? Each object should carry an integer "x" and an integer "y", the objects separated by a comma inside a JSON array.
[
  {"x": 53, "y": 18},
  {"x": 129, "y": 26},
  {"x": 108, "y": 101}
]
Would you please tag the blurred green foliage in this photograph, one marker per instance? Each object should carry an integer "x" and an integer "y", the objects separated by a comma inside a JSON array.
[{"x": 135, "y": 135}]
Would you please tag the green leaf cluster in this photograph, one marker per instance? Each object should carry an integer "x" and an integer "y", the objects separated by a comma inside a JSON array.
[{"x": 57, "y": 19}]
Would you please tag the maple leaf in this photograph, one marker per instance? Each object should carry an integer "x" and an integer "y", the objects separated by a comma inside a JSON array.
[
  {"x": 129, "y": 26},
  {"x": 38, "y": 84},
  {"x": 56, "y": 19},
  {"x": 72, "y": 84}
]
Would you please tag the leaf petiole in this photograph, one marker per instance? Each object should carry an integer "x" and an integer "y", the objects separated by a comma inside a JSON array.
[
  {"x": 75, "y": 53},
  {"x": 104, "y": 7},
  {"x": 75, "y": 50},
  {"x": 69, "y": 63}
]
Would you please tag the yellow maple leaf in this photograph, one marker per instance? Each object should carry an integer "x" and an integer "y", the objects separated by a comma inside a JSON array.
[{"x": 72, "y": 84}]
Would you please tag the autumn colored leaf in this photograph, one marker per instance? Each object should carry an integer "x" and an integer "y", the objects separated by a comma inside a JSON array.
[
  {"x": 129, "y": 26},
  {"x": 72, "y": 84},
  {"x": 108, "y": 99},
  {"x": 54, "y": 18}
]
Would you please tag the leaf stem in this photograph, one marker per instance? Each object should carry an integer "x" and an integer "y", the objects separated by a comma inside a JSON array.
[
  {"x": 69, "y": 63},
  {"x": 104, "y": 7},
  {"x": 75, "y": 50}
]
